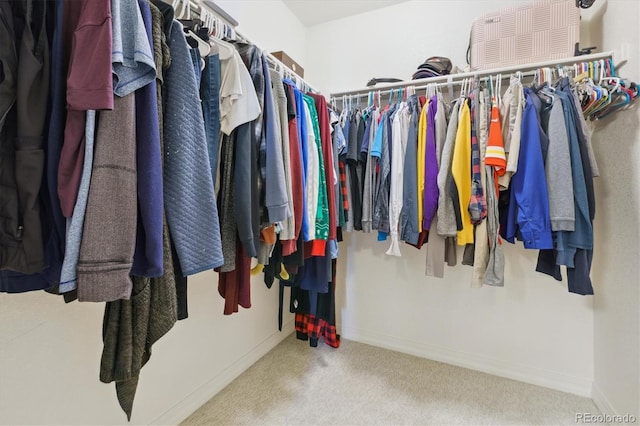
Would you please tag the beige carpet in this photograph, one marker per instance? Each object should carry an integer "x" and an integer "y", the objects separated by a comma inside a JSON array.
[{"x": 359, "y": 384}]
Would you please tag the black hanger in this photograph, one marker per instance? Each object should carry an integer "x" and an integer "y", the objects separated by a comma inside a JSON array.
[{"x": 191, "y": 24}]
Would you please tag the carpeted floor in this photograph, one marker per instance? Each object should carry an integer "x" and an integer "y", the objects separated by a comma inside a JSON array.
[{"x": 363, "y": 385}]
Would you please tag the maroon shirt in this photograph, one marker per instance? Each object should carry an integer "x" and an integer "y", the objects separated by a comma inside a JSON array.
[{"x": 87, "y": 30}]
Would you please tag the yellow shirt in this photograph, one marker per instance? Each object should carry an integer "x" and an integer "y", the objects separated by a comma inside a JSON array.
[
  {"x": 422, "y": 147},
  {"x": 461, "y": 171}
]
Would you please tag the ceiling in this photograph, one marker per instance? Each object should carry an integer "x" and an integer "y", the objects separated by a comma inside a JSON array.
[{"x": 313, "y": 12}]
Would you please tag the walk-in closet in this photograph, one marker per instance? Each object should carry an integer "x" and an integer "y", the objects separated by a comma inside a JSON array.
[{"x": 319, "y": 212}]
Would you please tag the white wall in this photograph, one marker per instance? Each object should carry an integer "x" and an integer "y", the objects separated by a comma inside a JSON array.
[
  {"x": 392, "y": 41},
  {"x": 616, "y": 262},
  {"x": 50, "y": 352},
  {"x": 532, "y": 329},
  {"x": 271, "y": 25},
  {"x": 50, "y": 357}
]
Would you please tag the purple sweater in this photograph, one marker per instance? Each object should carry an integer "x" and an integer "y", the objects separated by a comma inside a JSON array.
[{"x": 431, "y": 192}]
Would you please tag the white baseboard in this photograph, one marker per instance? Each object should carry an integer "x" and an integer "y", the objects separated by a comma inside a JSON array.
[
  {"x": 197, "y": 398},
  {"x": 601, "y": 401},
  {"x": 536, "y": 376}
]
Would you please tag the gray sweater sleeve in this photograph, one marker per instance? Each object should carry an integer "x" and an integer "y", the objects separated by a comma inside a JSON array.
[
  {"x": 447, "y": 226},
  {"x": 288, "y": 226},
  {"x": 558, "y": 172},
  {"x": 276, "y": 199}
]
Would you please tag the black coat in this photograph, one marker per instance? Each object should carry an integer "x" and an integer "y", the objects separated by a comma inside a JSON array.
[{"x": 24, "y": 86}]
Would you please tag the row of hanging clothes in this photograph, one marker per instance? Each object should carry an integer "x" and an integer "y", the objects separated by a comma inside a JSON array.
[
  {"x": 143, "y": 149},
  {"x": 486, "y": 167}
]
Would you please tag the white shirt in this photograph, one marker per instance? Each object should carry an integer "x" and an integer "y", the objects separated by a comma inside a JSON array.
[
  {"x": 512, "y": 144},
  {"x": 399, "y": 136},
  {"x": 238, "y": 99}
]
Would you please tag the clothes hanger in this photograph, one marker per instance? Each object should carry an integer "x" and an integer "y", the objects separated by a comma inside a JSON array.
[
  {"x": 179, "y": 6},
  {"x": 203, "y": 47},
  {"x": 547, "y": 95},
  {"x": 602, "y": 72},
  {"x": 621, "y": 99},
  {"x": 281, "y": 71},
  {"x": 594, "y": 94},
  {"x": 581, "y": 73},
  {"x": 604, "y": 102},
  {"x": 185, "y": 14},
  {"x": 613, "y": 68},
  {"x": 489, "y": 83},
  {"x": 208, "y": 18}
]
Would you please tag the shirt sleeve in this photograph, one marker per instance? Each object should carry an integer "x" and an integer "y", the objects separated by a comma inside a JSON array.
[{"x": 90, "y": 81}]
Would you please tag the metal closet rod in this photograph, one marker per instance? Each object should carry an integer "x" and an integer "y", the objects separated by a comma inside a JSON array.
[
  {"x": 423, "y": 83},
  {"x": 213, "y": 7}
]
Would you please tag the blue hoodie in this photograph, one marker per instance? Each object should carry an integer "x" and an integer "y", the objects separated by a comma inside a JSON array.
[{"x": 528, "y": 214}]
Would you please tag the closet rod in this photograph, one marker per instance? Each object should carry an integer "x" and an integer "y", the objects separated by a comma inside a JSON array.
[
  {"x": 526, "y": 69},
  {"x": 217, "y": 10}
]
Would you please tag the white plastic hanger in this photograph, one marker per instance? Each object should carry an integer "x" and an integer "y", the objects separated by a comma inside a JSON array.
[
  {"x": 463, "y": 88},
  {"x": 185, "y": 11},
  {"x": 203, "y": 46}
]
